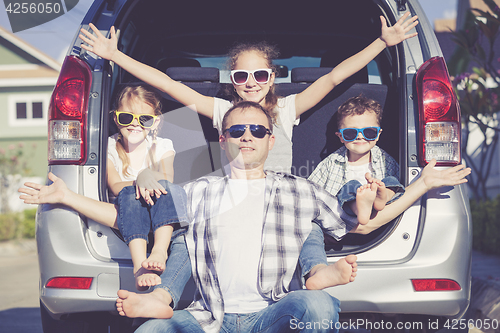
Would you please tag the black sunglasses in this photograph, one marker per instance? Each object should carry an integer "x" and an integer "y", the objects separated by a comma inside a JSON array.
[
  {"x": 258, "y": 131},
  {"x": 350, "y": 134},
  {"x": 127, "y": 118}
]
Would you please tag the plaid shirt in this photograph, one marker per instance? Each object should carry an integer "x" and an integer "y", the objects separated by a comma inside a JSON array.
[
  {"x": 331, "y": 172},
  {"x": 290, "y": 204}
]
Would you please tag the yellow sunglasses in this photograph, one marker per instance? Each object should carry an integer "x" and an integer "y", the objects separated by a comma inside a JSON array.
[{"x": 127, "y": 118}]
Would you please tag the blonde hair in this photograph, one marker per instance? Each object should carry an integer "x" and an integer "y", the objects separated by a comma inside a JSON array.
[
  {"x": 269, "y": 53},
  {"x": 145, "y": 94}
]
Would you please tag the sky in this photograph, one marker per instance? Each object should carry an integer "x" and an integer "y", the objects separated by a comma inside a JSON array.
[{"x": 54, "y": 37}]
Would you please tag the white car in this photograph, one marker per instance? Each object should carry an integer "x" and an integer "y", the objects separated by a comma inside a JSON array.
[{"x": 414, "y": 273}]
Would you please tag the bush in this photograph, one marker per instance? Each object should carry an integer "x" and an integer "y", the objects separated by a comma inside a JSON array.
[
  {"x": 486, "y": 227},
  {"x": 17, "y": 225}
]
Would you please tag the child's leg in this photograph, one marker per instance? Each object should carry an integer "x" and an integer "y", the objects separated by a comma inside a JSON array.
[
  {"x": 158, "y": 257},
  {"x": 134, "y": 224},
  {"x": 365, "y": 197},
  {"x": 144, "y": 278},
  {"x": 315, "y": 268}
]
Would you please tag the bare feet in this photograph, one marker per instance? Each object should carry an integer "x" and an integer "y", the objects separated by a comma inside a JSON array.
[
  {"x": 152, "y": 305},
  {"x": 365, "y": 196},
  {"x": 145, "y": 278},
  {"x": 342, "y": 272},
  {"x": 156, "y": 261},
  {"x": 381, "y": 198}
]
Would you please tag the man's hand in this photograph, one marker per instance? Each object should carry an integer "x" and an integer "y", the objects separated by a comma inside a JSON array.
[
  {"x": 40, "y": 194},
  {"x": 398, "y": 33},
  {"x": 434, "y": 178},
  {"x": 99, "y": 44}
]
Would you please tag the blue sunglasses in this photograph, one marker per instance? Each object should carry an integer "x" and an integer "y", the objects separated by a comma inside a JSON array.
[{"x": 350, "y": 134}]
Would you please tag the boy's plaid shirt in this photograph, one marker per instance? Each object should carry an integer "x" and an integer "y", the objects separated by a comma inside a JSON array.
[
  {"x": 290, "y": 205},
  {"x": 331, "y": 172}
]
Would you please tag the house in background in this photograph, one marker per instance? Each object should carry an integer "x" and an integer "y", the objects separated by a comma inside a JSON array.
[{"x": 27, "y": 78}]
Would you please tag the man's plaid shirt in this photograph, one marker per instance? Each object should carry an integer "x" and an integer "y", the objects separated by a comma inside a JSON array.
[
  {"x": 331, "y": 172},
  {"x": 290, "y": 205}
]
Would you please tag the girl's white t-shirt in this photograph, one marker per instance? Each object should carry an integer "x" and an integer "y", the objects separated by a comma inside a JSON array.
[
  {"x": 280, "y": 157},
  {"x": 163, "y": 145}
]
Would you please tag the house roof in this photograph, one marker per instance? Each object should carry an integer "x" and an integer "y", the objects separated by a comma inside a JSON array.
[{"x": 21, "y": 64}]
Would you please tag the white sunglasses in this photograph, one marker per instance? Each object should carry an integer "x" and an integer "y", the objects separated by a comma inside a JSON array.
[{"x": 261, "y": 76}]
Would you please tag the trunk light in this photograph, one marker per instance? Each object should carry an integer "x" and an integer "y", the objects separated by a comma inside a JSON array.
[
  {"x": 68, "y": 113},
  {"x": 439, "y": 114},
  {"x": 66, "y": 282},
  {"x": 435, "y": 285}
]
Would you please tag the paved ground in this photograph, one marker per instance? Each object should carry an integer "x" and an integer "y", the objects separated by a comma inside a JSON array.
[{"x": 19, "y": 307}]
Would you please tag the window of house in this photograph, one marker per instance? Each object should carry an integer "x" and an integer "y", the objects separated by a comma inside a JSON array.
[{"x": 28, "y": 109}]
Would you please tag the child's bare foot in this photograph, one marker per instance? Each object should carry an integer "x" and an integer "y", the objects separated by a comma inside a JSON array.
[
  {"x": 342, "y": 272},
  {"x": 152, "y": 305},
  {"x": 145, "y": 278},
  {"x": 381, "y": 197},
  {"x": 155, "y": 262},
  {"x": 365, "y": 197}
]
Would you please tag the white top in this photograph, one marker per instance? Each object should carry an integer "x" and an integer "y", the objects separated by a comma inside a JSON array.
[
  {"x": 357, "y": 172},
  {"x": 280, "y": 158},
  {"x": 239, "y": 227},
  {"x": 163, "y": 145}
]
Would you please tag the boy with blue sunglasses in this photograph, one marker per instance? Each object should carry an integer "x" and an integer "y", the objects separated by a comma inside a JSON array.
[{"x": 362, "y": 176}]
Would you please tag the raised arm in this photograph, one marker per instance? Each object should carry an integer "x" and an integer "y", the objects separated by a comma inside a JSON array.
[
  {"x": 321, "y": 87},
  {"x": 58, "y": 193},
  {"x": 430, "y": 178},
  {"x": 107, "y": 49}
]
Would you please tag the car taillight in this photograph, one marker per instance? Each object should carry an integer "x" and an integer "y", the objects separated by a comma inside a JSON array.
[
  {"x": 439, "y": 114},
  {"x": 69, "y": 282},
  {"x": 435, "y": 285},
  {"x": 68, "y": 113}
]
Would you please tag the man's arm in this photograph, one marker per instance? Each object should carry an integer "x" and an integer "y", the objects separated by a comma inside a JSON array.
[
  {"x": 58, "y": 193},
  {"x": 430, "y": 178}
]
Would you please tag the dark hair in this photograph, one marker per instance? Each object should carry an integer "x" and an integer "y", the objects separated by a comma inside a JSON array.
[
  {"x": 357, "y": 106},
  {"x": 245, "y": 105},
  {"x": 268, "y": 52}
]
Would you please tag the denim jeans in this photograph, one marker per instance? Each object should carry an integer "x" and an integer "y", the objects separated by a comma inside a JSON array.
[
  {"x": 348, "y": 192},
  {"x": 301, "y": 310},
  {"x": 136, "y": 218},
  {"x": 178, "y": 268},
  {"x": 313, "y": 250}
]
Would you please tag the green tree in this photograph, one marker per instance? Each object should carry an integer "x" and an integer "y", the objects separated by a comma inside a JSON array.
[
  {"x": 12, "y": 162},
  {"x": 478, "y": 91}
]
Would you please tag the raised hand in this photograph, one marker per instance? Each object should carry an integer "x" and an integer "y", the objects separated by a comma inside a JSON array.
[
  {"x": 434, "y": 178},
  {"x": 99, "y": 44},
  {"x": 399, "y": 31},
  {"x": 39, "y": 194}
]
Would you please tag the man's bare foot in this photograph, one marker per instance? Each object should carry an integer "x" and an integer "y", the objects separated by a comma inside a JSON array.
[
  {"x": 156, "y": 261},
  {"x": 381, "y": 198},
  {"x": 365, "y": 197},
  {"x": 155, "y": 304},
  {"x": 342, "y": 272},
  {"x": 145, "y": 278}
]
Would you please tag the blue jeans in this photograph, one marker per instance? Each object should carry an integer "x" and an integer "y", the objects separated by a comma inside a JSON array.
[
  {"x": 178, "y": 268},
  {"x": 313, "y": 250},
  {"x": 136, "y": 218},
  {"x": 301, "y": 310},
  {"x": 348, "y": 192}
]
